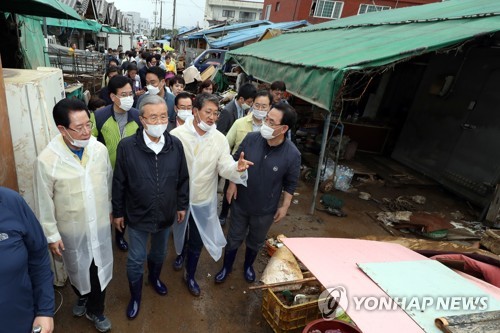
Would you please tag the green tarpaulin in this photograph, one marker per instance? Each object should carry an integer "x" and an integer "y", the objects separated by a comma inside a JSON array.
[
  {"x": 110, "y": 30},
  {"x": 313, "y": 60},
  {"x": 82, "y": 25},
  {"x": 32, "y": 42},
  {"x": 43, "y": 8}
]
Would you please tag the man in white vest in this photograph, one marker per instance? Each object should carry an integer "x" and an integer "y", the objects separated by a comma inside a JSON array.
[
  {"x": 207, "y": 155},
  {"x": 73, "y": 195}
]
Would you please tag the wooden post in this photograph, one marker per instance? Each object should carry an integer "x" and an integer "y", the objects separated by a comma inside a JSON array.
[
  {"x": 491, "y": 216},
  {"x": 8, "y": 175}
]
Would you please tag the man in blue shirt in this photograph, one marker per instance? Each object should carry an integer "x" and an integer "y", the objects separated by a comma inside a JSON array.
[
  {"x": 25, "y": 276},
  {"x": 255, "y": 207}
]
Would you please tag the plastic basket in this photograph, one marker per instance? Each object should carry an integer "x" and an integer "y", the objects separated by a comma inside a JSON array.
[{"x": 289, "y": 319}]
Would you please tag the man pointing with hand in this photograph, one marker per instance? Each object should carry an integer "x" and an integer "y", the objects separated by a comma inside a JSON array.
[{"x": 207, "y": 155}]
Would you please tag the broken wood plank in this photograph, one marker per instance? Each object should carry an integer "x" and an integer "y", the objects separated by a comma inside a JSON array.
[
  {"x": 492, "y": 214},
  {"x": 491, "y": 241}
]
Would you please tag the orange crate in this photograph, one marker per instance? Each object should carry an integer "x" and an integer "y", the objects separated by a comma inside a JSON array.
[{"x": 288, "y": 319}]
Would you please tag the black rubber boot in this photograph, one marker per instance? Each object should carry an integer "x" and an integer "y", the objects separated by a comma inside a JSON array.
[
  {"x": 227, "y": 267},
  {"x": 154, "y": 278},
  {"x": 191, "y": 264},
  {"x": 179, "y": 260},
  {"x": 248, "y": 271},
  {"x": 135, "y": 298}
]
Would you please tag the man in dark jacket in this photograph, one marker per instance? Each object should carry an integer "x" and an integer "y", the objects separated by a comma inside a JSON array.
[
  {"x": 237, "y": 108},
  {"x": 151, "y": 191},
  {"x": 255, "y": 207}
]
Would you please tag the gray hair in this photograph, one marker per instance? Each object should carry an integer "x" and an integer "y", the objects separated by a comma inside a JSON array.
[
  {"x": 150, "y": 99},
  {"x": 202, "y": 99}
]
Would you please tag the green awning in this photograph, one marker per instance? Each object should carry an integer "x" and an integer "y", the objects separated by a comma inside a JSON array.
[
  {"x": 110, "y": 30},
  {"x": 82, "y": 25},
  {"x": 43, "y": 8},
  {"x": 313, "y": 61}
]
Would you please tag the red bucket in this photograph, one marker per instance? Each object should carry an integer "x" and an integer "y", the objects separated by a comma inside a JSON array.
[{"x": 322, "y": 325}]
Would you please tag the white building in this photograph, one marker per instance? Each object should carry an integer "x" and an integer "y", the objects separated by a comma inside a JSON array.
[
  {"x": 133, "y": 22},
  {"x": 145, "y": 27},
  {"x": 219, "y": 11}
]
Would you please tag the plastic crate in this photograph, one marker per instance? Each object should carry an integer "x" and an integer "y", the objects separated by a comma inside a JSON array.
[{"x": 289, "y": 319}]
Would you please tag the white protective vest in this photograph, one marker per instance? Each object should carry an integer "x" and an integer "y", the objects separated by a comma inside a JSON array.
[
  {"x": 73, "y": 200},
  {"x": 207, "y": 157}
]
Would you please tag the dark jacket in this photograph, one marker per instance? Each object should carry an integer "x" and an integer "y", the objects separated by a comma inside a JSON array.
[
  {"x": 275, "y": 169},
  {"x": 149, "y": 189},
  {"x": 227, "y": 117},
  {"x": 25, "y": 275}
]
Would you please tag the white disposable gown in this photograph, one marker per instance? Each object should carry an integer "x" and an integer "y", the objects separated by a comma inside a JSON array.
[
  {"x": 207, "y": 156},
  {"x": 73, "y": 200}
]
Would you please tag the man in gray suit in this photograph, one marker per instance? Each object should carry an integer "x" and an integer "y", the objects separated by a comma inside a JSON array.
[{"x": 237, "y": 108}]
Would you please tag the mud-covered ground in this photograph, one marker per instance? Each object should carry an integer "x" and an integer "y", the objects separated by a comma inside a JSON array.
[{"x": 231, "y": 307}]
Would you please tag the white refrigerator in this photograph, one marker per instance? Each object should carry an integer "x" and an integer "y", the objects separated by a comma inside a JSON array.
[{"x": 31, "y": 96}]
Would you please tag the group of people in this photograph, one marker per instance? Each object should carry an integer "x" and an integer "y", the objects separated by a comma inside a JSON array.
[{"x": 154, "y": 170}]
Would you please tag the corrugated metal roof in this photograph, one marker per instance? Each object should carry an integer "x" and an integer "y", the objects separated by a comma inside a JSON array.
[
  {"x": 225, "y": 28},
  {"x": 241, "y": 36},
  {"x": 313, "y": 60}
]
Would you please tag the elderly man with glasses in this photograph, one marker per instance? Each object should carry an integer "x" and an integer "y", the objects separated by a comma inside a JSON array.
[
  {"x": 73, "y": 198},
  {"x": 207, "y": 155},
  {"x": 150, "y": 190},
  {"x": 254, "y": 208}
]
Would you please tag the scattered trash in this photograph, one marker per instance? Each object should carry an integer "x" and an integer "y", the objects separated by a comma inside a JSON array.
[
  {"x": 333, "y": 211},
  {"x": 244, "y": 292},
  {"x": 209, "y": 275},
  {"x": 389, "y": 218},
  {"x": 420, "y": 199},
  {"x": 329, "y": 200},
  {"x": 364, "y": 196},
  {"x": 398, "y": 204},
  {"x": 272, "y": 244},
  {"x": 457, "y": 215},
  {"x": 295, "y": 202},
  {"x": 295, "y": 194}
]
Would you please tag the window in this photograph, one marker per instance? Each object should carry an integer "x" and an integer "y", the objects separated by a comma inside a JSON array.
[
  {"x": 277, "y": 7},
  {"x": 365, "y": 8},
  {"x": 328, "y": 9},
  {"x": 268, "y": 12},
  {"x": 228, "y": 13},
  {"x": 247, "y": 16}
]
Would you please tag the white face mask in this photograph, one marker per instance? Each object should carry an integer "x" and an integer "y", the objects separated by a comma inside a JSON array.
[
  {"x": 205, "y": 127},
  {"x": 184, "y": 114},
  {"x": 259, "y": 114},
  {"x": 245, "y": 106},
  {"x": 153, "y": 90},
  {"x": 156, "y": 131},
  {"x": 78, "y": 143},
  {"x": 267, "y": 132},
  {"x": 126, "y": 103}
]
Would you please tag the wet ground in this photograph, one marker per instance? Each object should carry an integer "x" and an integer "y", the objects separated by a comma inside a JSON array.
[{"x": 231, "y": 307}]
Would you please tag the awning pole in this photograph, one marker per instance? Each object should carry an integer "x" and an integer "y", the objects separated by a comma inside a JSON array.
[{"x": 324, "y": 140}]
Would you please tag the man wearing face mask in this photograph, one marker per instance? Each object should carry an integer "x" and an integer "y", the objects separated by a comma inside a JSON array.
[
  {"x": 152, "y": 202},
  {"x": 72, "y": 179},
  {"x": 183, "y": 109},
  {"x": 151, "y": 62},
  {"x": 241, "y": 127},
  {"x": 156, "y": 85},
  {"x": 115, "y": 122},
  {"x": 237, "y": 108},
  {"x": 254, "y": 208},
  {"x": 207, "y": 155}
]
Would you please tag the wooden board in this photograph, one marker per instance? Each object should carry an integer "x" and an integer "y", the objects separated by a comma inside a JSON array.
[
  {"x": 333, "y": 262},
  {"x": 487, "y": 322},
  {"x": 430, "y": 281}
]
